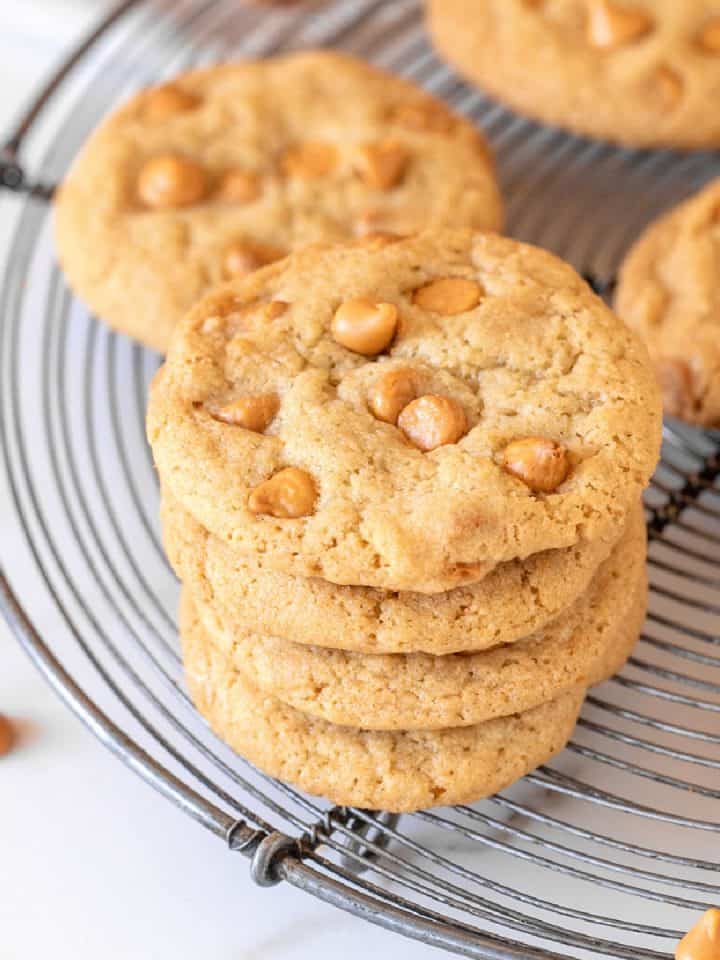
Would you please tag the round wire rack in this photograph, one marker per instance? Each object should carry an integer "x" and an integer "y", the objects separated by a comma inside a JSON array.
[{"x": 612, "y": 848}]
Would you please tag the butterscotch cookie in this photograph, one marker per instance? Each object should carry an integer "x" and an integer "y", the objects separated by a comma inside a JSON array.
[
  {"x": 639, "y": 72},
  {"x": 228, "y": 168},
  {"x": 408, "y": 416},
  {"x": 583, "y": 646},
  {"x": 363, "y": 768},
  {"x": 669, "y": 292},
  {"x": 514, "y": 600}
]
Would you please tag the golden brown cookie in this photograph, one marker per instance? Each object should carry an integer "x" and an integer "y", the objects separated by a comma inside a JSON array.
[
  {"x": 514, "y": 600},
  {"x": 583, "y": 646},
  {"x": 639, "y": 72},
  {"x": 266, "y": 427},
  {"x": 371, "y": 769},
  {"x": 669, "y": 292},
  {"x": 226, "y": 169}
]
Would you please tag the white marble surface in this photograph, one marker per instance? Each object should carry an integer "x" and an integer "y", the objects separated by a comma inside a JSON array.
[{"x": 92, "y": 862}]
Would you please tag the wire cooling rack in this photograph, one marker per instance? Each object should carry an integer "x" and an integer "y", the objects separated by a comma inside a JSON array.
[{"x": 611, "y": 849}]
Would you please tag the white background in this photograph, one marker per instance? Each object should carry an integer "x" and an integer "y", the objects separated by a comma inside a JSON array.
[{"x": 93, "y": 864}]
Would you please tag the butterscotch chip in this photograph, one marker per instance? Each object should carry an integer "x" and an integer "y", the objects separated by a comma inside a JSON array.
[
  {"x": 676, "y": 383},
  {"x": 171, "y": 181},
  {"x": 7, "y": 735},
  {"x": 289, "y": 494},
  {"x": 613, "y": 25},
  {"x": 668, "y": 292},
  {"x": 364, "y": 326},
  {"x": 709, "y": 38},
  {"x": 701, "y": 942},
  {"x": 239, "y": 186},
  {"x": 421, "y": 117},
  {"x": 670, "y": 84},
  {"x": 448, "y": 295},
  {"x": 382, "y": 165},
  {"x": 244, "y": 257},
  {"x": 391, "y": 393},
  {"x": 277, "y": 138},
  {"x": 167, "y": 101},
  {"x": 253, "y": 413},
  {"x": 310, "y": 161},
  {"x": 432, "y": 421},
  {"x": 541, "y": 464}
]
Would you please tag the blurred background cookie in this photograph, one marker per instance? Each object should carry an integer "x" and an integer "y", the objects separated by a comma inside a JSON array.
[{"x": 638, "y": 72}]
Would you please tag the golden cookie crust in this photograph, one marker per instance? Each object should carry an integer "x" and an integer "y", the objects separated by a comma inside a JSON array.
[
  {"x": 538, "y": 356},
  {"x": 637, "y": 72},
  {"x": 396, "y": 159},
  {"x": 394, "y": 771},
  {"x": 669, "y": 292},
  {"x": 583, "y": 646},
  {"x": 514, "y": 600}
]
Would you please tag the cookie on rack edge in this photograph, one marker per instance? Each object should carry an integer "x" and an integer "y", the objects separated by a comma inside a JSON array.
[{"x": 669, "y": 292}]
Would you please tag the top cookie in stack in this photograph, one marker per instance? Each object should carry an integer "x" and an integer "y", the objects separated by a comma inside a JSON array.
[
  {"x": 406, "y": 417},
  {"x": 427, "y": 453},
  {"x": 226, "y": 169}
]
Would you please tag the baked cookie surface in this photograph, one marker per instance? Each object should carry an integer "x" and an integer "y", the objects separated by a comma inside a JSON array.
[
  {"x": 583, "y": 646},
  {"x": 514, "y": 600},
  {"x": 225, "y": 169},
  {"x": 669, "y": 292},
  {"x": 638, "y": 72},
  {"x": 393, "y": 771},
  {"x": 283, "y": 418}
]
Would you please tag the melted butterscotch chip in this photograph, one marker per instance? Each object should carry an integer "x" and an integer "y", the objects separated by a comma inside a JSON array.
[
  {"x": 382, "y": 166},
  {"x": 448, "y": 295},
  {"x": 612, "y": 25},
  {"x": 167, "y": 101},
  {"x": 541, "y": 464},
  {"x": 239, "y": 186},
  {"x": 709, "y": 36},
  {"x": 310, "y": 161},
  {"x": 243, "y": 257},
  {"x": 254, "y": 412},
  {"x": 702, "y": 942},
  {"x": 422, "y": 117},
  {"x": 289, "y": 494},
  {"x": 670, "y": 86},
  {"x": 364, "y": 326},
  {"x": 171, "y": 181}
]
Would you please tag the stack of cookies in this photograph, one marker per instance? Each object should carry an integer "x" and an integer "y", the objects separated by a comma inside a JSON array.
[{"x": 401, "y": 487}]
